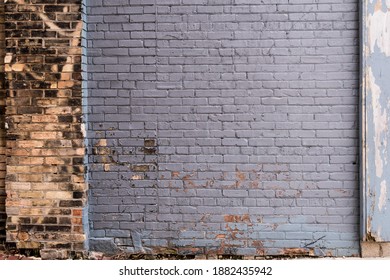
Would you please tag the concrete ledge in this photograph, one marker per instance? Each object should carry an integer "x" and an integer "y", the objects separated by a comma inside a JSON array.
[{"x": 375, "y": 249}]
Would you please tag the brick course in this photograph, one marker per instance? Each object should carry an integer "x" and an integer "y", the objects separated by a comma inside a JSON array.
[{"x": 228, "y": 126}]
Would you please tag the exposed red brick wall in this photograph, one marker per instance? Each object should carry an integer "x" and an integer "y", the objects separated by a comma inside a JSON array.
[
  {"x": 45, "y": 185},
  {"x": 2, "y": 131}
]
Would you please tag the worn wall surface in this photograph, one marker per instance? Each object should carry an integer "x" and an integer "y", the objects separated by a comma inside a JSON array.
[
  {"x": 224, "y": 126},
  {"x": 2, "y": 130},
  {"x": 45, "y": 185},
  {"x": 375, "y": 116}
]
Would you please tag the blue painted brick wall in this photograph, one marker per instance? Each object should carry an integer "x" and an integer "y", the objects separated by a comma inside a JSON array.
[{"x": 224, "y": 126}]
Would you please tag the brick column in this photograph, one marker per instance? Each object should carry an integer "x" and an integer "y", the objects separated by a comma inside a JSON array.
[
  {"x": 45, "y": 183},
  {"x": 2, "y": 131}
]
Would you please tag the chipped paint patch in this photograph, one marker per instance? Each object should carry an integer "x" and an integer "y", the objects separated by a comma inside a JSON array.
[
  {"x": 237, "y": 219},
  {"x": 136, "y": 177},
  {"x": 383, "y": 196},
  {"x": 375, "y": 110},
  {"x": 175, "y": 174},
  {"x": 379, "y": 30},
  {"x": 380, "y": 125}
]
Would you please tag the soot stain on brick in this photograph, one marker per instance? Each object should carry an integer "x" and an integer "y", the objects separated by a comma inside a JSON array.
[{"x": 24, "y": 68}]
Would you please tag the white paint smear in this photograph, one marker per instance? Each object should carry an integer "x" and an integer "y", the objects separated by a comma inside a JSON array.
[
  {"x": 380, "y": 123},
  {"x": 379, "y": 31},
  {"x": 382, "y": 196}
]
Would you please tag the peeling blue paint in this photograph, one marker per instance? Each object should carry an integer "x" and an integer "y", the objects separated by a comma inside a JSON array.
[{"x": 376, "y": 66}]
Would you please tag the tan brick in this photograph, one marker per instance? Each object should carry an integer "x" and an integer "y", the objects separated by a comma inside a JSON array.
[
  {"x": 78, "y": 229},
  {"x": 59, "y": 111},
  {"x": 18, "y": 67},
  {"x": 59, "y": 195},
  {"x": 65, "y": 84},
  {"x": 18, "y": 169},
  {"x": 48, "y": 186},
  {"x": 31, "y": 211},
  {"x": 78, "y": 179},
  {"x": 56, "y": 177},
  {"x": 45, "y": 135},
  {"x": 21, "y": 152},
  {"x": 71, "y": 152},
  {"x": 385, "y": 249},
  {"x": 101, "y": 143},
  {"x": 371, "y": 249},
  {"x": 22, "y": 119},
  {"x": 20, "y": 203},
  {"x": 32, "y": 161},
  {"x": 44, "y": 118},
  {"x": 23, "y": 236},
  {"x": 31, "y": 127},
  {"x": 65, "y": 93},
  {"x": 43, "y": 203},
  {"x": 56, "y": 160},
  {"x": 47, "y": 103},
  {"x": 56, "y": 127},
  {"x": 28, "y": 245},
  {"x": 44, "y": 152},
  {"x": 30, "y": 178},
  {"x": 19, "y": 186},
  {"x": 12, "y": 210},
  {"x": 66, "y": 143},
  {"x": 30, "y": 144},
  {"x": 80, "y": 186},
  {"x": 43, "y": 169},
  {"x": 77, "y": 221},
  {"x": 31, "y": 194}
]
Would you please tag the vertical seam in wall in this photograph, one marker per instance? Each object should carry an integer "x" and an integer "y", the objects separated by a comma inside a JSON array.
[
  {"x": 157, "y": 134},
  {"x": 84, "y": 108},
  {"x": 131, "y": 90},
  {"x": 363, "y": 121}
]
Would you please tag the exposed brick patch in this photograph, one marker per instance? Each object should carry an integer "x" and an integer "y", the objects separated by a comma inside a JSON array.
[
  {"x": 45, "y": 185},
  {"x": 2, "y": 130}
]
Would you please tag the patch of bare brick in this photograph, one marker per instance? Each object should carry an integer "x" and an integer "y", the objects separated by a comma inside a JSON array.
[
  {"x": 2, "y": 128},
  {"x": 45, "y": 186}
]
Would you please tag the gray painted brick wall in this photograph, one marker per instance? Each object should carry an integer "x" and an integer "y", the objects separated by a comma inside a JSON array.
[{"x": 224, "y": 126}]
